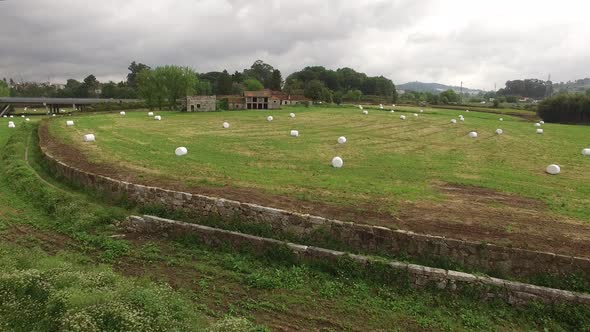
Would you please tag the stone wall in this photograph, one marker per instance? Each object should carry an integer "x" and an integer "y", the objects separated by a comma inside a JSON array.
[
  {"x": 487, "y": 258},
  {"x": 201, "y": 103},
  {"x": 417, "y": 275}
]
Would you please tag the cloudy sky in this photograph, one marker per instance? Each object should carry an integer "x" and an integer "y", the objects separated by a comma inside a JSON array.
[{"x": 446, "y": 41}]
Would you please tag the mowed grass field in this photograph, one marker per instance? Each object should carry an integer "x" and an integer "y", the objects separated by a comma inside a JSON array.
[{"x": 422, "y": 166}]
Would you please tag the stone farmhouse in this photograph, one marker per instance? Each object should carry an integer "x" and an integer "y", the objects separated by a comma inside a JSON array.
[{"x": 251, "y": 100}]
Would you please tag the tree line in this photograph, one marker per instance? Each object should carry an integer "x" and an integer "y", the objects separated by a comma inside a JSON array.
[
  {"x": 566, "y": 108},
  {"x": 160, "y": 85}
]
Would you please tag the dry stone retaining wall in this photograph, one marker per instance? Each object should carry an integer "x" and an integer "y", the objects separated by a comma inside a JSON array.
[
  {"x": 486, "y": 258},
  {"x": 418, "y": 275}
]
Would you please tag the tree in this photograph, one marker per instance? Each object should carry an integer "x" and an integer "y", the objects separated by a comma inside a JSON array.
[
  {"x": 353, "y": 95},
  {"x": 252, "y": 84},
  {"x": 276, "y": 80},
  {"x": 90, "y": 86},
  {"x": 317, "y": 91},
  {"x": 260, "y": 71},
  {"x": 134, "y": 70},
  {"x": 166, "y": 85},
  {"x": 4, "y": 89},
  {"x": 449, "y": 96},
  {"x": 224, "y": 84}
]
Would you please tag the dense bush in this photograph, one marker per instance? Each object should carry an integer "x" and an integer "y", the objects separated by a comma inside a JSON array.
[{"x": 566, "y": 108}]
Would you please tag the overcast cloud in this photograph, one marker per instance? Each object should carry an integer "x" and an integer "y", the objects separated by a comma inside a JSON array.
[{"x": 406, "y": 40}]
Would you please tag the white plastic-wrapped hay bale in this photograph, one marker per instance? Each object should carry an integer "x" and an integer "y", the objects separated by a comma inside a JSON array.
[
  {"x": 150, "y": 113},
  {"x": 12, "y": 116},
  {"x": 542, "y": 122},
  {"x": 473, "y": 134},
  {"x": 499, "y": 131},
  {"x": 181, "y": 151},
  {"x": 381, "y": 106},
  {"x": 341, "y": 140},
  {"x": 269, "y": 118},
  {"x": 467, "y": 111},
  {"x": 501, "y": 119},
  {"x": 11, "y": 124},
  {"x": 392, "y": 105},
  {"x": 25, "y": 108},
  {"x": 295, "y": 133},
  {"x": 35, "y": 110},
  {"x": 403, "y": 117},
  {"x": 225, "y": 125},
  {"x": 360, "y": 107},
  {"x": 553, "y": 169},
  {"x": 158, "y": 117},
  {"x": 539, "y": 131},
  {"x": 89, "y": 138},
  {"x": 392, "y": 111},
  {"x": 62, "y": 111},
  {"x": 365, "y": 112},
  {"x": 291, "y": 115},
  {"x": 421, "y": 111},
  {"x": 122, "y": 113},
  {"x": 462, "y": 119},
  {"x": 22, "y": 116},
  {"x": 415, "y": 114},
  {"x": 337, "y": 162},
  {"x": 537, "y": 124},
  {"x": 453, "y": 120},
  {"x": 69, "y": 123},
  {"x": 27, "y": 119},
  {"x": 586, "y": 152},
  {"x": 52, "y": 114}
]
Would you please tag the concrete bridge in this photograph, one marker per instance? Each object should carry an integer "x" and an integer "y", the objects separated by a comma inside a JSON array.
[{"x": 53, "y": 104}]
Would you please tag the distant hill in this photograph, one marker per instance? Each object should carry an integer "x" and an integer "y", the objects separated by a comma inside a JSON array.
[
  {"x": 580, "y": 85},
  {"x": 433, "y": 87}
]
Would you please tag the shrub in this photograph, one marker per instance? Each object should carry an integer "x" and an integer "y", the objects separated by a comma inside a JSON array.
[{"x": 566, "y": 108}]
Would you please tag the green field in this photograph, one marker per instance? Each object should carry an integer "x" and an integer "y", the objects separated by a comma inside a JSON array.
[
  {"x": 397, "y": 173},
  {"x": 65, "y": 265}
]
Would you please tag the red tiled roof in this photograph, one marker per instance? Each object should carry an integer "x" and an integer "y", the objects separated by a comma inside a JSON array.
[{"x": 261, "y": 93}]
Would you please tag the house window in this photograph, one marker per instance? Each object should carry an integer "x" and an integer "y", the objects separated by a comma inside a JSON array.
[
  {"x": 198, "y": 105},
  {"x": 254, "y": 100}
]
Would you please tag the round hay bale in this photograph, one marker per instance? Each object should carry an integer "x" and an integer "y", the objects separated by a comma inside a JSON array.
[
  {"x": 453, "y": 120},
  {"x": 392, "y": 105},
  {"x": 542, "y": 122},
  {"x": 225, "y": 125},
  {"x": 365, "y": 112},
  {"x": 11, "y": 124},
  {"x": 181, "y": 151},
  {"x": 499, "y": 131},
  {"x": 157, "y": 117},
  {"x": 537, "y": 124},
  {"x": 89, "y": 138},
  {"x": 22, "y": 116},
  {"x": 539, "y": 131},
  {"x": 295, "y": 133},
  {"x": 337, "y": 162},
  {"x": 462, "y": 119},
  {"x": 361, "y": 107},
  {"x": 27, "y": 119},
  {"x": 122, "y": 113},
  {"x": 467, "y": 111},
  {"x": 473, "y": 134},
  {"x": 69, "y": 123},
  {"x": 51, "y": 115},
  {"x": 403, "y": 117},
  {"x": 150, "y": 113},
  {"x": 12, "y": 116},
  {"x": 381, "y": 106},
  {"x": 415, "y": 114},
  {"x": 501, "y": 119},
  {"x": 392, "y": 111},
  {"x": 341, "y": 140},
  {"x": 292, "y": 115},
  {"x": 421, "y": 111},
  {"x": 269, "y": 118},
  {"x": 586, "y": 152},
  {"x": 553, "y": 169}
]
